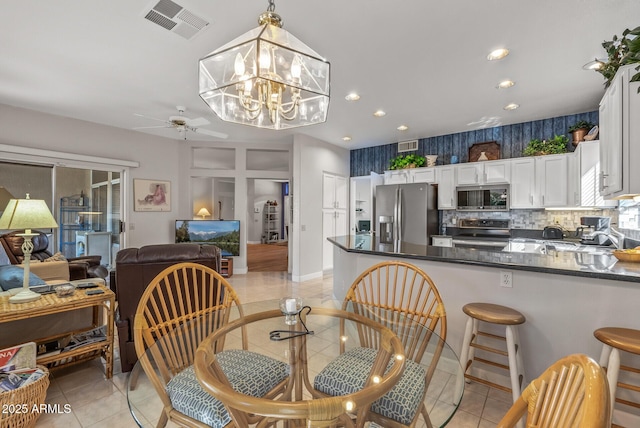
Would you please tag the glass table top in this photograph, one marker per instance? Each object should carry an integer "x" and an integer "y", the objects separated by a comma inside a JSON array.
[{"x": 322, "y": 346}]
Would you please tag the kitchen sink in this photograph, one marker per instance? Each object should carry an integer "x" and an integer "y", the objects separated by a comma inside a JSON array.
[{"x": 538, "y": 246}]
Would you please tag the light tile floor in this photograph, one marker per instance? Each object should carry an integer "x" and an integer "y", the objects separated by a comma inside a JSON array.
[{"x": 96, "y": 402}]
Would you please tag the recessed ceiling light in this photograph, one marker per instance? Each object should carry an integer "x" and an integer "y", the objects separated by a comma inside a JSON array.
[
  {"x": 352, "y": 97},
  {"x": 511, "y": 106},
  {"x": 505, "y": 84},
  {"x": 379, "y": 113},
  {"x": 498, "y": 54},
  {"x": 402, "y": 128},
  {"x": 596, "y": 64},
  {"x": 346, "y": 138}
]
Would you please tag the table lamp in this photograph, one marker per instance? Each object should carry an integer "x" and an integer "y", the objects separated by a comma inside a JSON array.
[
  {"x": 26, "y": 214},
  {"x": 204, "y": 212},
  {"x": 5, "y": 197}
]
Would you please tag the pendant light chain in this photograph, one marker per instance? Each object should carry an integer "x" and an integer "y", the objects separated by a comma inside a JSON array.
[{"x": 272, "y": 6}]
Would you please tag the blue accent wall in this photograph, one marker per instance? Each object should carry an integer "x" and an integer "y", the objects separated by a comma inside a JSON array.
[{"x": 512, "y": 139}]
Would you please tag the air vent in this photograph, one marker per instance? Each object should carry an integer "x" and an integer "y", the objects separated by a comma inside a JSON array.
[
  {"x": 408, "y": 146},
  {"x": 173, "y": 17}
]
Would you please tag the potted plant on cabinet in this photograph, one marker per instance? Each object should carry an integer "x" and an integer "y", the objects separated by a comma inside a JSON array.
[
  {"x": 407, "y": 161},
  {"x": 621, "y": 51},
  {"x": 579, "y": 130},
  {"x": 555, "y": 145}
]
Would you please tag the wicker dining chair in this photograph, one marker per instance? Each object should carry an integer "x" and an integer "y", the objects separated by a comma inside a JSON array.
[
  {"x": 572, "y": 392},
  {"x": 398, "y": 295},
  {"x": 181, "y": 306}
]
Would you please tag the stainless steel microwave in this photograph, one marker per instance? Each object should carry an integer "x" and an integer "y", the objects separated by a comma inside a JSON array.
[{"x": 483, "y": 198}]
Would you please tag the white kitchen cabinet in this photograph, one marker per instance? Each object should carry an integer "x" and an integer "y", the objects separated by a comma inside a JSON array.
[
  {"x": 469, "y": 173},
  {"x": 551, "y": 180},
  {"x": 446, "y": 179},
  {"x": 584, "y": 173},
  {"x": 497, "y": 171},
  {"x": 398, "y": 176},
  {"x": 334, "y": 213},
  {"x": 523, "y": 179},
  {"x": 487, "y": 172},
  {"x": 619, "y": 134},
  {"x": 334, "y": 191},
  {"x": 422, "y": 175},
  {"x": 334, "y": 223}
]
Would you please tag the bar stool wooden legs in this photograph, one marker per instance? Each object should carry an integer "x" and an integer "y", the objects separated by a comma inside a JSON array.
[
  {"x": 494, "y": 314},
  {"x": 614, "y": 340}
]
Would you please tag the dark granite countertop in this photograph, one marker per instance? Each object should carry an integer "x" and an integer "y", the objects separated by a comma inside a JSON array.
[{"x": 604, "y": 266}]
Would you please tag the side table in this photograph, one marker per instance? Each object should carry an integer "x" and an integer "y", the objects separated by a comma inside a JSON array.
[{"x": 52, "y": 304}]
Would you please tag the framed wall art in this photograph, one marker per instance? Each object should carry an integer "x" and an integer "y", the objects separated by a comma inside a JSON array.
[{"x": 151, "y": 195}]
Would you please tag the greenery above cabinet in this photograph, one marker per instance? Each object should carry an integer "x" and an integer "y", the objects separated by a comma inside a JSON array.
[
  {"x": 407, "y": 161},
  {"x": 556, "y": 145}
]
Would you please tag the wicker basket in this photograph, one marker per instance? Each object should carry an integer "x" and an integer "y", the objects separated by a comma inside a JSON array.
[{"x": 17, "y": 405}]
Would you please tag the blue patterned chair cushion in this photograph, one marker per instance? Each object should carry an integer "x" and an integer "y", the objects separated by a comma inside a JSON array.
[
  {"x": 348, "y": 373},
  {"x": 249, "y": 373}
]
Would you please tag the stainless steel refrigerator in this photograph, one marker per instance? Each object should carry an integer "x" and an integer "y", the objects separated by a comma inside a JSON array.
[{"x": 406, "y": 213}]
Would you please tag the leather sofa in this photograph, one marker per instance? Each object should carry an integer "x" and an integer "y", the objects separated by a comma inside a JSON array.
[
  {"x": 79, "y": 267},
  {"x": 135, "y": 269}
]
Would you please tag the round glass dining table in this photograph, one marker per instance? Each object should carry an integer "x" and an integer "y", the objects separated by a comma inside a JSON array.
[{"x": 323, "y": 336}]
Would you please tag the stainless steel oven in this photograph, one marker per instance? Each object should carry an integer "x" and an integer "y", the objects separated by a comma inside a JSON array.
[
  {"x": 483, "y": 198},
  {"x": 482, "y": 234}
]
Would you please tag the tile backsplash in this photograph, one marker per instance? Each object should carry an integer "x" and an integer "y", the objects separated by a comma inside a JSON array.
[{"x": 532, "y": 219}]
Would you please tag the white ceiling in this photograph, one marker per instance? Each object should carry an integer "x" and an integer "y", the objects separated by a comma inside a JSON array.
[{"x": 422, "y": 61}]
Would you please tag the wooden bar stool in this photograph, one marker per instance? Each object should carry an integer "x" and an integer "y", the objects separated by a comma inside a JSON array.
[
  {"x": 494, "y": 314},
  {"x": 616, "y": 339}
]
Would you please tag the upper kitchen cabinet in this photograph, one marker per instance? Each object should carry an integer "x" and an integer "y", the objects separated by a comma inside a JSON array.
[
  {"x": 523, "y": 180},
  {"x": 486, "y": 172},
  {"x": 619, "y": 137},
  {"x": 584, "y": 173},
  {"x": 551, "y": 180},
  {"x": 398, "y": 176},
  {"x": 422, "y": 175},
  {"x": 334, "y": 191},
  {"x": 446, "y": 179}
]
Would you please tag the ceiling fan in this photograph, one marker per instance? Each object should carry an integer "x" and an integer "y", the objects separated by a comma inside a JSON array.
[{"x": 183, "y": 124}]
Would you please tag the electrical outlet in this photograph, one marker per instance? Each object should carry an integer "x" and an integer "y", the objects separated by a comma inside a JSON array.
[{"x": 506, "y": 278}]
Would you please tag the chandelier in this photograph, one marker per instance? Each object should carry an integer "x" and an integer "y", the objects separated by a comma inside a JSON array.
[{"x": 266, "y": 78}]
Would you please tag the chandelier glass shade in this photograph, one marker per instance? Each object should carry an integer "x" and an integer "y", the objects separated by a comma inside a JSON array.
[{"x": 266, "y": 78}]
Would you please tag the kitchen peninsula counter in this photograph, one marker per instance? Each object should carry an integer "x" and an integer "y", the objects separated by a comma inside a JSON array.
[
  {"x": 564, "y": 296},
  {"x": 603, "y": 266}
]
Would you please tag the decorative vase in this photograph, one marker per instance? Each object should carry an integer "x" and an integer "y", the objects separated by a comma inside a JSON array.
[
  {"x": 483, "y": 156},
  {"x": 578, "y": 135}
]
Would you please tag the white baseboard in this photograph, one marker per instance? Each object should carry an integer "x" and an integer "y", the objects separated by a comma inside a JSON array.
[{"x": 308, "y": 277}]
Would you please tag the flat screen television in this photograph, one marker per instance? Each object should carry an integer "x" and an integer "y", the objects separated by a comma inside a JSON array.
[{"x": 224, "y": 234}]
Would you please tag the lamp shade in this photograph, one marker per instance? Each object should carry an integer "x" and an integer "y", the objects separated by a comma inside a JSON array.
[
  {"x": 5, "y": 197},
  {"x": 27, "y": 214},
  {"x": 204, "y": 212}
]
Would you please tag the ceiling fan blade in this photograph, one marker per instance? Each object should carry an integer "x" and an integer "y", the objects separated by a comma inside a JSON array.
[
  {"x": 152, "y": 118},
  {"x": 151, "y": 127},
  {"x": 209, "y": 132},
  {"x": 198, "y": 121}
]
